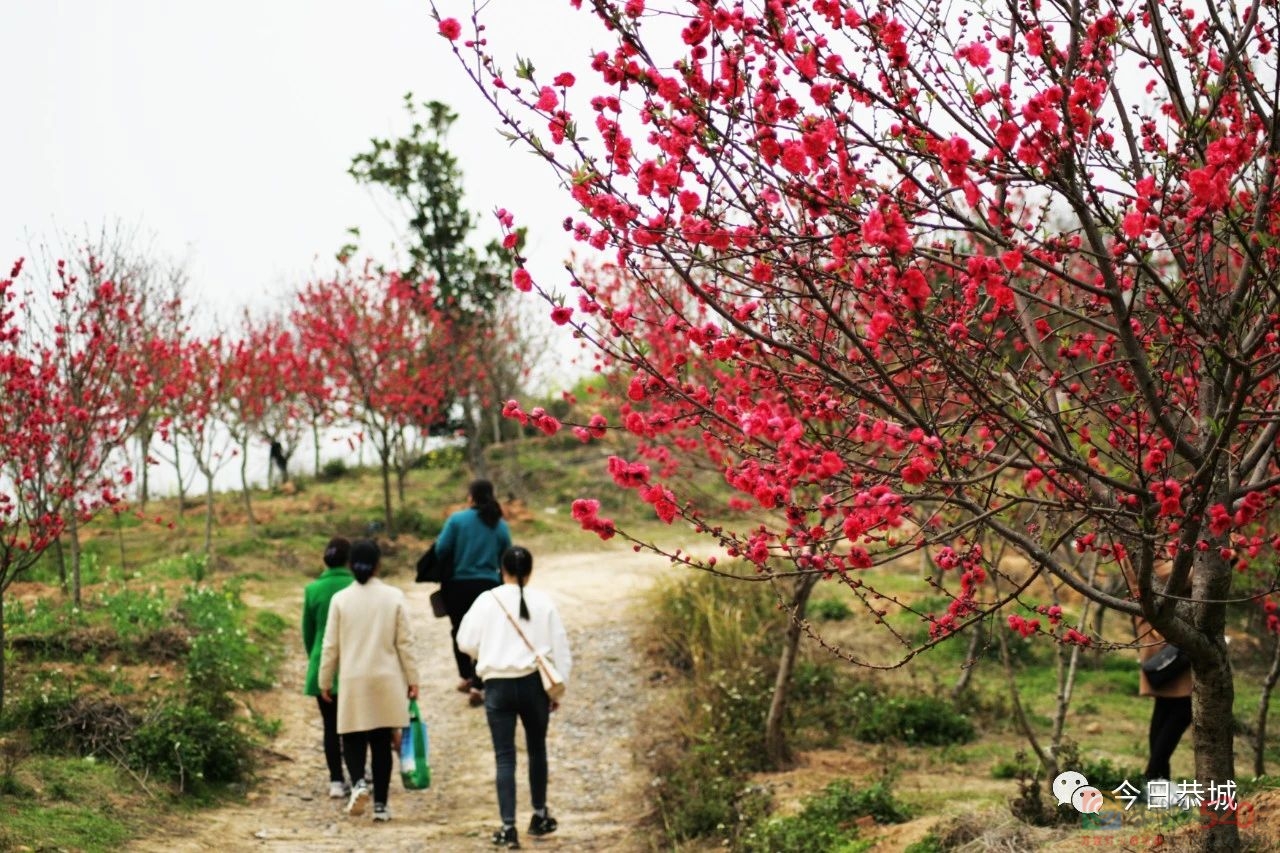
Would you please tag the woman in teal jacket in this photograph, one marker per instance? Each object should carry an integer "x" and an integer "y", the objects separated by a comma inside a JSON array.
[
  {"x": 315, "y": 612},
  {"x": 472, "y": 541}
]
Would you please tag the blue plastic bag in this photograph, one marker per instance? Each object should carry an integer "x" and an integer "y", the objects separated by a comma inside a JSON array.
[{"x": 415, "y": 771}]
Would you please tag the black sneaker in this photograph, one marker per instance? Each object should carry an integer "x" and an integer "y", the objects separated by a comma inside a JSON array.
[
  {"x": 544, "y": 825},
  {"x": 507, "y": 837}
]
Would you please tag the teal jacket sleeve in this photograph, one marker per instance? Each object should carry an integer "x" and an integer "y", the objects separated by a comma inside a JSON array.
[{"x": 448, "y": 535}]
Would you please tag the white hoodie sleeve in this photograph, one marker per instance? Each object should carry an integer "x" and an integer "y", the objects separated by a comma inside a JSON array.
[
  {"x": 559, "y": 652},
  {"x": 471, "y": 629}
]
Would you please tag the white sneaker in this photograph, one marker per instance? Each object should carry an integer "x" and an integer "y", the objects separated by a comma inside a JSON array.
[
  {"x": 359, "y": 799},
  {"x": 380, "y": 812},
  {"x": 338, "y": 790}
]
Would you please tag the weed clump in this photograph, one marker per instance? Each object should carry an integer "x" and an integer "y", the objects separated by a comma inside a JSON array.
[{"x": 913, "y": 720}]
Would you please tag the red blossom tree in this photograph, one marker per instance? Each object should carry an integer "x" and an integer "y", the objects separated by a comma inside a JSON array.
[
  {"x": 388, "y": 351},
  {"x": 945, "y": 275},
  {"x": 30, "y": 500},
  {"x": 201, "y": 415},
  {"x": 264, "y": 369},
  {"x": 80, "y": 329}
]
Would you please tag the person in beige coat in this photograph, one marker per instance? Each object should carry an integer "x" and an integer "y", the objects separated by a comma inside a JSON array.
[{"x": 368, "y": 644}]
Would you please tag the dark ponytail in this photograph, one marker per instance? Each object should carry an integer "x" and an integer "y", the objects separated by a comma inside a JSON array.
[
  {"x": 365, "y": 556},
  {"x": 486, "y": 505},
  {"x": 518, "y": 563}
]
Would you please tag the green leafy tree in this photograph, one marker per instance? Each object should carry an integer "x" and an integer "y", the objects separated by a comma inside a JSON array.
[{"x": 422, "y": 175}]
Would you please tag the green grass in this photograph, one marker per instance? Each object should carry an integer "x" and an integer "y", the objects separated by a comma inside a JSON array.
[{"x": 67, "y": 804}]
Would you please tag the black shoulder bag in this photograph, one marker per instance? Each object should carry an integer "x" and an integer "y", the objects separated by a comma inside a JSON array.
[
  {"x": 1165, "y": 665},
  {"x": 432, "y": 568}
]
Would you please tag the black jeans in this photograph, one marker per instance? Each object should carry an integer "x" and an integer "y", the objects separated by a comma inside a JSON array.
[
  {"x": 505, "y": 699},
  {"x": 1169, "y": 719},
  {"x": 377, "y": 742},
  {"x": 458, "y": 598},
  {"x": 332, "y": 744}
]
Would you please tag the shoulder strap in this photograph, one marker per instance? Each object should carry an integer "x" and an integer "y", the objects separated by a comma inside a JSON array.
[{"x": 514, "y": 623}]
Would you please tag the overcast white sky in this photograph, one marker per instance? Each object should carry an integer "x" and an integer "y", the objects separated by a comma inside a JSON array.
[{"x": 225, "y": 129}]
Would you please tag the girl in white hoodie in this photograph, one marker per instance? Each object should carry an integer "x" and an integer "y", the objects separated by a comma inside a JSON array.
[{"x": 491, "y": 632}]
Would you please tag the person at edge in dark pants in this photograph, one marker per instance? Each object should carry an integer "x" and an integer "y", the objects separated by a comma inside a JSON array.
[
  {"x": 1171, "y": 709},
  {"x": 513, "y": 687},
  {"x": 472, "y": 541},
  {"x": 315, "y": 613},
  {"x": 368, "y": 646}
]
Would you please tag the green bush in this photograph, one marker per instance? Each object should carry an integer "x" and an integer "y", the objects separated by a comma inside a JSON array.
[
  {"x": 828, "y": 821},
  {"x": 914, "y": 720},
  {"x": 334, "y": 469},
  {"x": 188, "y": 566},
  {"x": 223, "y": 657},
  {"x": 36, "y": 707},
  {"x": 44, "y": 617},
  {"x": 694, "y": 796},
  {"x": 189, "y": 745},
  {"x": 931, "y": 843},
  {"x": 136, "y": 614},
  {"x": 60, "y": 717},
  {"x": 829, "y": 609},
  {"x": 408, "y": 520}
]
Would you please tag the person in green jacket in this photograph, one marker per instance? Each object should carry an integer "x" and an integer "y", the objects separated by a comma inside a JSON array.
[{"x": 315, "y": 612}]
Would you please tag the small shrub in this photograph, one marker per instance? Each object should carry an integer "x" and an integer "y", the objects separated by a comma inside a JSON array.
[
  {"x": 914, "y": 720},
  {"x": 1105, "y": 775},
  {"x": 59, "y": 718},
  {"x": 334, "y": 469},
  {"x": 931, "y": 843},
  {"x": 1006, "y": 770},
  {"x": 192, "y": 567},
  {"x": 828, "y": 820},
  {"x": 189, "y": 745},
  {"x": 1032, "y": 806},
  {"x": 694, "y": 797},
  {"x": 829, "y": 610},
  {"x": 12, "y": 786},
  {"x": 135, "y": 614},
  {"x": 408, "y": 520},
  {"x": 223, "y": 657}
]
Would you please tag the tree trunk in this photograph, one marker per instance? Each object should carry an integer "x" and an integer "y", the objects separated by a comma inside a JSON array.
[
  {"x": 120, "y": 540},
  {"x": 144, "y": 476},
  {"x": 386, "y": 491},
  {"x": 315, "y": 438},
  {"x": 475, "y": 447},
  {"x": 1213, "y": 693},
  {"x": 1264, "y": 703},
  {"x": 182, "y": 487},
  {"x": 62, "y": 565},
  {"x": 775, "y": 735},
  {"x": 208, "y": 518},
  {"x": 1213, "y": 734},
  {"x": 3, "y": 647},
  {"x": 73, "y": 536},
  {"x": 244, "y": 486}
]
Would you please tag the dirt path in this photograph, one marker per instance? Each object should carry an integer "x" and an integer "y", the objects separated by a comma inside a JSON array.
[{"x": 595, "y": 783}]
